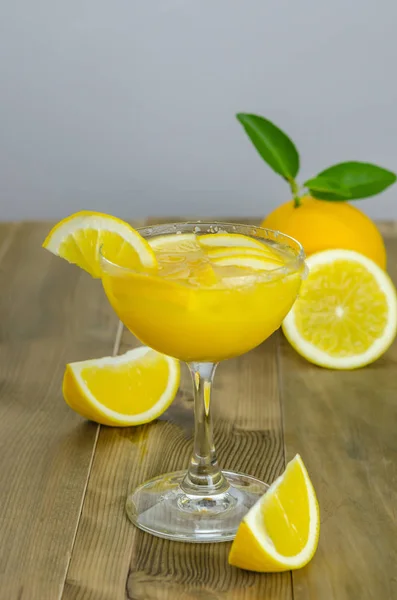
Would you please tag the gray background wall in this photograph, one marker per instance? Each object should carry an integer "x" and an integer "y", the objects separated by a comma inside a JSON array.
[{"x": 128, "y": 106}]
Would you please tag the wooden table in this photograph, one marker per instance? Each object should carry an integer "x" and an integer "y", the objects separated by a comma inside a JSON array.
[{"x": 63, "y": 481}]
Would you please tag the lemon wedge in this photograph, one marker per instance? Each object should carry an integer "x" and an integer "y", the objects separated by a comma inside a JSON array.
[
  {"x": 281, "y": 530},
  {"x": 130, "y": 389},
  {"x": 79, "y": 237},
  {"x": 346, "y": 315}
]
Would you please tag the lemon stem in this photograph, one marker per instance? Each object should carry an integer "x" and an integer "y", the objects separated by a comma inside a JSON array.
[{"x": 295, "y": 192}]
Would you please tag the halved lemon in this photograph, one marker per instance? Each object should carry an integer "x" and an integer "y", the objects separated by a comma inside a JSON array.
[
  {"x": 79, "y": 237},
  {"x": 130, "y": 389},
  {"x": 281, "y": 530},
  {"x": 346, "y": 314}
]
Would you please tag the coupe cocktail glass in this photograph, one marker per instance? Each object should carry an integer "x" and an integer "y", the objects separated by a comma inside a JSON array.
[{"x": 182, "y": 312}]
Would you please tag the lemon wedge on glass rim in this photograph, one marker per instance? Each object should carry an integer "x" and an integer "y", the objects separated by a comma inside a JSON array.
[
  {"x": 346, "y": 313},
  {"x": 130, "y": 389},
  {"x": 78, "y": 239},
  {"x": 281, "y": 531}
]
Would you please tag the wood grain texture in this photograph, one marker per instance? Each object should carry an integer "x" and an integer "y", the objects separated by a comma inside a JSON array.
[
  {"x": 344, "y": 426},
  {"x": 112, "y": 560},
  {"x": 50, "y": 314}
]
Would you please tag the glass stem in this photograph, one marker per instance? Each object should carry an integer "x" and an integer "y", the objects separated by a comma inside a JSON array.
[{"x": 204, "y": 476}]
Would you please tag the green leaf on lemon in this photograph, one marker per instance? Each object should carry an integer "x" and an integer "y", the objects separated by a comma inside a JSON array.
[
  {"x": 360, "y": 179},
  {"x": 323, "y": 186},
  {"x": 272, "y": 144}
]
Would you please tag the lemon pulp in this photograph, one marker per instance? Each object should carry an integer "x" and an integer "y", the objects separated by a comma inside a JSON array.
[{"x": 343, "y": 311}]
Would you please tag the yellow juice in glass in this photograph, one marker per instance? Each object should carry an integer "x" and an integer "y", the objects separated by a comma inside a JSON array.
[{"x": 207, "y": 301}]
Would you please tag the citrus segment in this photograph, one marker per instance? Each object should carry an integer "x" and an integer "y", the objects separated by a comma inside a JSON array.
[
  {"x": 346, "y": 315},
  {"x": 79, "y": 238},
  {"x": 125, "y": 390},
  {"x": 281, "y": 530}
]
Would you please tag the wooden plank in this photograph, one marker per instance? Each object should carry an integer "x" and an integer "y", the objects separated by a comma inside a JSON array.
[
  {"x": 50, "y": 313},
  {"x": 344, "y": 426},
  {"x": 113, "y": 560}
]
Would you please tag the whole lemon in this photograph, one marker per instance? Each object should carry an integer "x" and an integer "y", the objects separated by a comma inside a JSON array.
[{"x": 321, "y": 225}]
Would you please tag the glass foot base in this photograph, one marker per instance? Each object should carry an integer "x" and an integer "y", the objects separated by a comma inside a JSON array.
[{"x": 161, "y": 508}]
